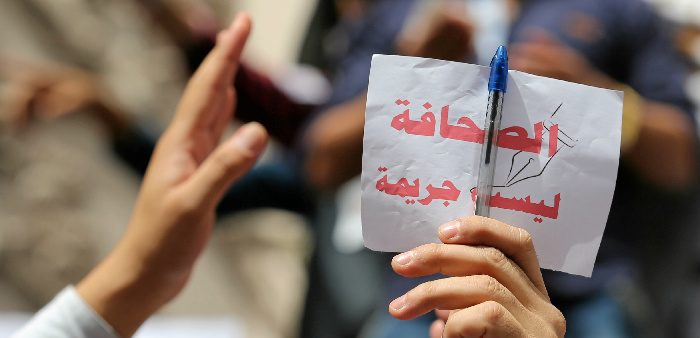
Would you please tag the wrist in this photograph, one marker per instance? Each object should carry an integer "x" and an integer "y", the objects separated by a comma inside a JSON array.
[
  {"x": 125, "y": 292},
  {"x": 632, "y": 109}
]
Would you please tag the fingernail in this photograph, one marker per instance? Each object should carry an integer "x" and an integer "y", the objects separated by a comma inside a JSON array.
[
  {"x": 238, "y": 21},
  {"x": 449, "y": 230},
  {"x": 250, "y": 137},
  {"x": 404, "y": 258},
  {"x": 398, "y": 303}
]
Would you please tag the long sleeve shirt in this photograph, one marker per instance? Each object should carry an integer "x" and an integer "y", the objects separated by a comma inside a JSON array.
[{"x": 66, "y": 316}]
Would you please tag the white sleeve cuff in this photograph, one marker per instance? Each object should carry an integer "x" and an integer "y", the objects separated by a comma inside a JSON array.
[{"x": 66, "y": 316}]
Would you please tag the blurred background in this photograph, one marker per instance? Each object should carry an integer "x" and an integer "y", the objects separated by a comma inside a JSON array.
[{"x": 86, "y": 86}]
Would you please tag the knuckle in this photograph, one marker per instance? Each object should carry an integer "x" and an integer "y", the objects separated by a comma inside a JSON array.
[
  {"x": 479, "y": 222},
  {"x": 450, "y": 330},
  {"x": 493, "y": 312},
  {"x": 226, "y": 163},
  {"x": 468, "y": 226},
  {"x": 427, "y": 258},
  {"x": 223, "y": 162},
  {"x": 464, "y": 222},
  {"x": 457, "y": 329},
  {"x": 182, "y": 205},
  {"x": 479, "y": 229},
  {"x": 430, "y": 252},
  {"x": 558, "y": 322},
  {"x": 525, "y": 240},
  {"x": 494, "y": 258},
  {"x": 426, "y": 290},
  {"x": 489, "y": 285}
]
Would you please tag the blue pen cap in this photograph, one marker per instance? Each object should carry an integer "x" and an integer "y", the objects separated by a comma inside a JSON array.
[{"x": 498, "y": 80}]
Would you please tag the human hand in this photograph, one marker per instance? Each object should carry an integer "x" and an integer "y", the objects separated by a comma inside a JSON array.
[
  {"x": 40, "y": 90},
  {"x": 494, "y": 289},
  {"x": 333, "y": 145},
  {"x": 655, "y": 140},
  {"x": 174, "y": 214},
  {"x": 542, "y": 54}
]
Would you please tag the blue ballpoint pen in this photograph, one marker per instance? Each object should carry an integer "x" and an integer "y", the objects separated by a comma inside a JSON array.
[{"x": 498, "y": 81}]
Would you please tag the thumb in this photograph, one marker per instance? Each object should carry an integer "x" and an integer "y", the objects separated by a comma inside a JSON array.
[
  {"x": 436, "y": 328},
  {"x": 227, "y": 163}
]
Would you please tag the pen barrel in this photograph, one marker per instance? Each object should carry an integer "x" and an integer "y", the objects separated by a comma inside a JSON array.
[{"x": 489, "y": 150}]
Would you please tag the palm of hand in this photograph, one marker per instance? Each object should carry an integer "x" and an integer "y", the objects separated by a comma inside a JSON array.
[{"x": 186, "y": 177}]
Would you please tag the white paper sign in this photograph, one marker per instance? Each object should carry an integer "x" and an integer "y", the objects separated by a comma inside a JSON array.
[{"x": 559, "y": 148}]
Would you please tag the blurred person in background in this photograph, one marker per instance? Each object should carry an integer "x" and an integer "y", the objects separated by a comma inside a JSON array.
[
  {"x": 51, "y": 90},
  {"x": 342, "y": 38},
  {"x": 174, "y": 218},
  {"x": 576, "y": 41},
  {"x": 621, "y": 45},
  {"x": 55, "y": 91},
  {"x": 576, "y": 48},
  {"x": 79, "y": 78},
  {"x": 57, "y": 176},
  {"x": 120, "y": 61},
  {"x": 680, "y": 298}
]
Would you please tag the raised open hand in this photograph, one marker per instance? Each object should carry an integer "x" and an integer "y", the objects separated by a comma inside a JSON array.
[{"x": 174, "y": 215}]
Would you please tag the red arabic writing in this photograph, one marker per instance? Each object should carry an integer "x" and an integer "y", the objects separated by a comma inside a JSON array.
[
  {"x": 448, "y": 192},
  {"x": 515, "y": 137},
  {"x": 524, "y": 205}
]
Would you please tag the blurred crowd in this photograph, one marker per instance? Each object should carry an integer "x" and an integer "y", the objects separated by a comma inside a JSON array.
[{"x": 86, "y": 86}]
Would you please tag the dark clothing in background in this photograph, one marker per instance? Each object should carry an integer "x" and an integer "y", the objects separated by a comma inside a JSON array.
[
  {"x": 626, "y": 40},
  {"x": 276, "y": 185},
  {"x": 260, "y": 100},
  {"x": 623, "y": 38},
  {"x": 346, "y": 47},
  {"x": 344, "y": 289}
]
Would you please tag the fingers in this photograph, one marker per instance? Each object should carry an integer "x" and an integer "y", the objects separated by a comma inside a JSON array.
[
  {"x": 515, "y": 243},
  {"x": 487, "y": 320},
  {"x": 221, "y": 122},
  {"x": 541, "y": 36},
  {"x": 450, "y": 294},
  {"x": 537, "y": 45},
  {"x": 227, "y": 163},
  {"x": 462, "y": 260},
  {"x": 208, "y": 87},
  {"x": 542, "y": 54},
  {"x": 17, "y": 106},
  {"x": 222, "y": 63},
  {"x": 534, "y": 55},
  {"x": 436, "y": 328}
]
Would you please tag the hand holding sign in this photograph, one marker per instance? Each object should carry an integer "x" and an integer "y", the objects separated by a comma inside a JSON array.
[
  {"x": 493, "y": 288},
  {"x": 555, "y": 172}
]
